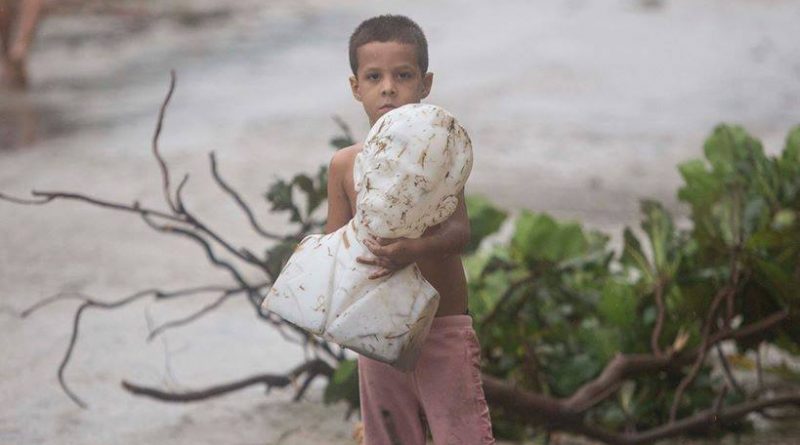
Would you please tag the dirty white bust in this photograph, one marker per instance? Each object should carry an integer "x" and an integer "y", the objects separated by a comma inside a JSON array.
[{"x": 414, "y": 163}]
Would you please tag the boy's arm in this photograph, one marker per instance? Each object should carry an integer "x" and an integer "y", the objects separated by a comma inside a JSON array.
[
  {"x": 338, "y": 203},
  {"x": 448, "y": 238}
]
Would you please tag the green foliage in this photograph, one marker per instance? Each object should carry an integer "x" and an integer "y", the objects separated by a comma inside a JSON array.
[
  {"x": 554, "y": 304},
  {"x": 344, "y": 384},
  {"x": 281, "y": 195},
  {"x": 485, "y": 219}
]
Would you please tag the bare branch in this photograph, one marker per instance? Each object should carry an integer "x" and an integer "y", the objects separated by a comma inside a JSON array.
[
  {"x": 46, "y": 197},
  {"x": 312, "y": 369},
  {"x": 156, "y": 134},
  {"x": 726, "y": 367},
  {"x": 242, "y": 253},
  {"x": 659, "y": 297},
  {"x": 702, "y": 350},
  {"x": 239, "y": 201},
  {"x": 196, "y": 315},
  {"x": 203, "y": 243}
]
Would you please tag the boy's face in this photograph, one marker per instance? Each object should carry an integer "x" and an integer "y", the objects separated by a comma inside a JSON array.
[{"x": 388, "y": 76}]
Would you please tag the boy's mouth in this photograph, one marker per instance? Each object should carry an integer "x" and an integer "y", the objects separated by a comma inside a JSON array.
[{"x": 386, "y": 107}]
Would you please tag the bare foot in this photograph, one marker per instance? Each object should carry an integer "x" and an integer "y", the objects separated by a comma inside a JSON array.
[
  {"x": 358, "y": 433},
  {"x": 14, "y": 75}
]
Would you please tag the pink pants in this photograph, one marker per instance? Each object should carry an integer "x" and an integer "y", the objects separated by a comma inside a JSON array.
[{"x": 444, "y": 391}]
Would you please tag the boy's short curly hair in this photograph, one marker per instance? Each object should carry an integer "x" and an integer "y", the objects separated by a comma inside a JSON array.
[{"x": 389, "y": 28}]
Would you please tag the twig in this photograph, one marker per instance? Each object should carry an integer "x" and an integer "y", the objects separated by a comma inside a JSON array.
[
  {"x": 203, "y": 243},
  {"x": 759, "y": 368},
  {"x": 728, "y": 372},
  {"x": 659, "y": 296},
  {"x": 242, "y": 254},
  {"x": 239, "y": 201},
  {"x": 704, "y": 345},
  {"x": 46, "y": 197},
  {"x": 163, "y": 165},
  {"x": 196, "y": 315}
]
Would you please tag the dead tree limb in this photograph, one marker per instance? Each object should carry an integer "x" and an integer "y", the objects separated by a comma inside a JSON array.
[
  {"x": 311, "y": 369},
  {"x": 567, "y": 414},
  {"x": 239, "y": 201}
]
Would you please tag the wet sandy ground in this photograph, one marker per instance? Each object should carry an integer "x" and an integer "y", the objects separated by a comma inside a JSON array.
[{"x": 577, "y": 107}]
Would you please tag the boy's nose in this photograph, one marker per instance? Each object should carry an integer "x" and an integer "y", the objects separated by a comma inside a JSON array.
[{"x": 388, "y": 88}]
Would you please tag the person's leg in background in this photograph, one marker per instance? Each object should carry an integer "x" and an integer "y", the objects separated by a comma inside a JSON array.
[{"x": 23, "y": 16}]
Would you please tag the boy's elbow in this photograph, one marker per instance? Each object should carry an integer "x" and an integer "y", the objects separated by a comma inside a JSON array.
[
  {"x": 466, "y": 234},
  {"x": 462, "y": 238}
]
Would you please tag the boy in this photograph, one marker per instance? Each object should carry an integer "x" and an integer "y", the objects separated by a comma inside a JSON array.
[{"x": 389, "y": 60}]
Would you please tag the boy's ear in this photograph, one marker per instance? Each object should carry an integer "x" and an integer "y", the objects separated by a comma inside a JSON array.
[
  {"x": 354, "y": 88},
  {"x": 427, "y": 82}
]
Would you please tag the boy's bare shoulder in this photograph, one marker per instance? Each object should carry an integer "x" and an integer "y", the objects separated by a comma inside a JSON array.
[{"x": 342, "y": 160}]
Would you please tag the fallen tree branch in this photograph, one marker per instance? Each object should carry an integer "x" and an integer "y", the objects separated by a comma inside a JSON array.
[
  {"x": 537, "y": 409},
  {"x": 311, "y": 369},
  {"x": 620, "y": 368}
]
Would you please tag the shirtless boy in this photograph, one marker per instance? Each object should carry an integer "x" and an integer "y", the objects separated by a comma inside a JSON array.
[{"x": 389, "y": 60}]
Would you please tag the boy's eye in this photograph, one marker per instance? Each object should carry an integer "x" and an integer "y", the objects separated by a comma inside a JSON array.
[
  {"x": 405, "y": 75},
  {"x": 372, "y": 76}
]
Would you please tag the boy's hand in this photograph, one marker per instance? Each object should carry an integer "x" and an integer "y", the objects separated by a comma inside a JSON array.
[{"x": 390, "y": 255}]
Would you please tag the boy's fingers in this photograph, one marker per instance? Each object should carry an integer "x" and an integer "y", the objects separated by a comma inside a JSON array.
[
  {"x": 381, "y": 273},
  {"x": 387, "y": 241},
  {"x": 376, "y": 249},
  {"x": 375, "y": 261},
  {"x": 367, "y": 260},
  {"x": 384, "y": 241}
]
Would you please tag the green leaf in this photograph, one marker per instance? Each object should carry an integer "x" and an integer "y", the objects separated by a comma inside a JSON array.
[
  {"x": 278, "y": 255},
  {"x": 344, "y": 384},
  {"x": 657, "y": 224},
  {"x": 313, "y": 196},
  {"x": 539, "y": 238},
  {"x": 780, "y": 281},
  {"x": 484, "y": 219},
  {"x": 618, "y": 304},
  {"x": 729, "y": 146},
  {"x": 791, "y": 153},
  {"x": 634, "y": 256}
]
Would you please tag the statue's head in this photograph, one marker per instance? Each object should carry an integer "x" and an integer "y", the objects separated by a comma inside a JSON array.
[{"x": 415, "y": 161}]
